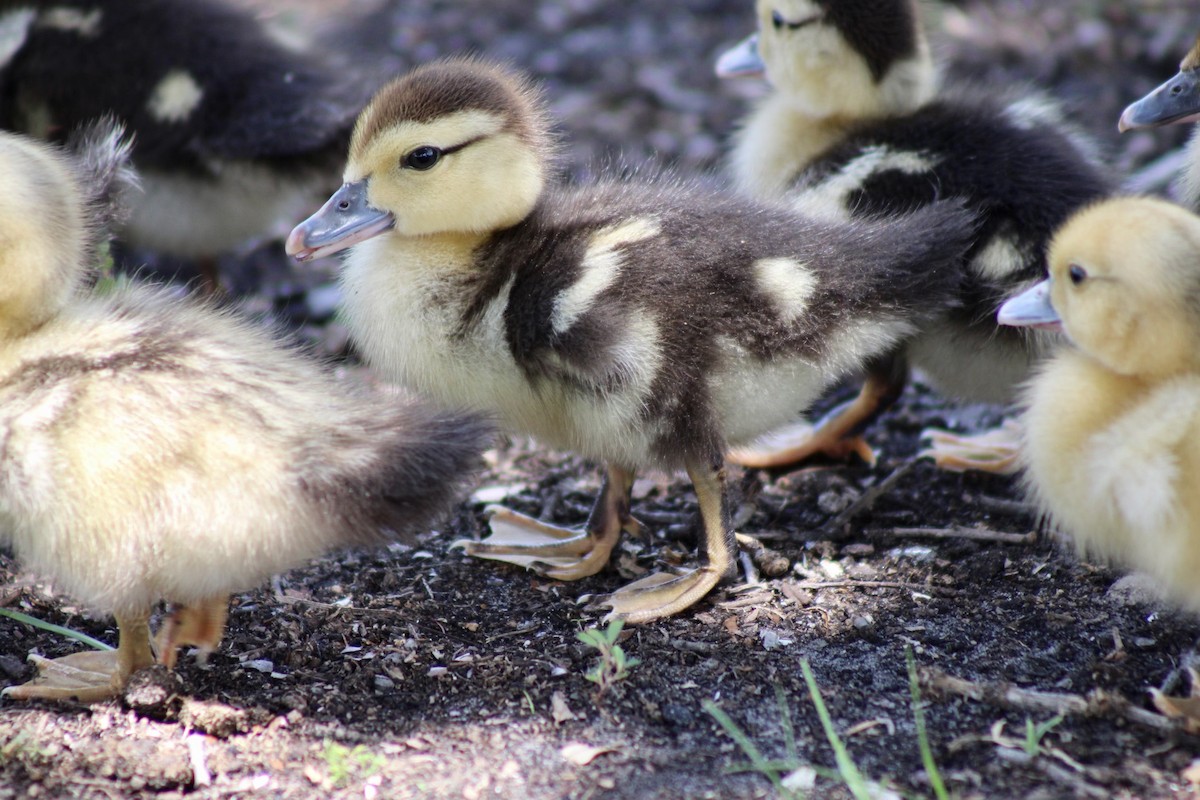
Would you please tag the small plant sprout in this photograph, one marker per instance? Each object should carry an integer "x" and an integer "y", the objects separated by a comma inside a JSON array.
[
  {"x": 613, "y": 665},
  {"x": 1035, "y": 732},
  {"x": 344, "y": 763}
]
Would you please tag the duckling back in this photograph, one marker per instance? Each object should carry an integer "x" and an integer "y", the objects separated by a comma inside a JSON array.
[{"x": 162, "y": 450}]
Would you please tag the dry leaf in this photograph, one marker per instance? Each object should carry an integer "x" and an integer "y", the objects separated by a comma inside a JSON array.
[
  {"x": 582, "y": 754},
  {"x": 559, "y": 710}
]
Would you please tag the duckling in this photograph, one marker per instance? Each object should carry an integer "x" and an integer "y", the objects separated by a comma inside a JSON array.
[
  {"x": 1176, "y": 101},
  {"x": 235, "y": 131},
  {"x": 855, "y": 127},
  {"x": 641, "y": 323},
  {"x": 157, "y": 449},
  {"x": 1112, "y": 427}
]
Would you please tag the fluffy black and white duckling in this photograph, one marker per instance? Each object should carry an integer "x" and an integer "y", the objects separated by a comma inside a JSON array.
[
  {"x": 856, "y": 126},
  {"x": 234, "y": 130},
  {"x": 1176, "y": 101},
  {"x": 639, "y": 323},
  {"x": 1112, "y": 440},
  {"x": 163, "y": 450}
]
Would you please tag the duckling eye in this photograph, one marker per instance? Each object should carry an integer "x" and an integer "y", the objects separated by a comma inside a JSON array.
[
  {"x": 1077, "y": 274},
  {"x": 780, "y": 23},
  {"x": 422, "y": 158}
]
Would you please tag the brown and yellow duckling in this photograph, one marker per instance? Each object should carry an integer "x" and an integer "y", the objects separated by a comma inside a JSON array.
[
  {"x": 857, "y": 126},
  {"x": 163, "y": 450},
  {"x": 640, "y": 323}
]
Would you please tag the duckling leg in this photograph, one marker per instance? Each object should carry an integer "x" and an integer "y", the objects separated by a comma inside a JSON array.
[
  {"x": 995, "y": 450},
  {"x": 555, "y": 552},
  {"x": 201, "y": 625},
  {"x": 662, "y": 594},
  {"x": 94, "y": 675},
  {"x": 837, "y": 436}
]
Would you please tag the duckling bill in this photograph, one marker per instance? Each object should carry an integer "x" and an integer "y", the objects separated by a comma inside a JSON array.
[
  {"x": 1175, "y": 102},
  {"x": 157, "y": 449},
  {"x": 641, "y": 323}
]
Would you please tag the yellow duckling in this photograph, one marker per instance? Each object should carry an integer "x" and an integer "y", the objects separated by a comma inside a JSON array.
[
  {"x": 857, "y": 126},
  {"x": 1112, "y": 430},
  {"x": 639, "y": 323},
  {"x": 156, "y": 449}
]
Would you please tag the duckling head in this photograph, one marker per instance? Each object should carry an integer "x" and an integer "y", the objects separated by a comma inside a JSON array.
[
  {"x": 459, "y": 146},
  {"x": 849, "y": 58},
  {"x": 1176, "y": 101},
  {"x": 43, "y": 234},
  {"x": 1125, "y": 284}
]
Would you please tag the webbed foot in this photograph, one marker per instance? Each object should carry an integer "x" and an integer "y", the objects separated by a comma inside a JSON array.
[{"x": 996, "y": 450}]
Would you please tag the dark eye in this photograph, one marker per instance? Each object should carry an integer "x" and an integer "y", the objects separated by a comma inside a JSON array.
[
  {"x": 422, "y": 158},
  {"x": 1077, "y": 274},
  {"x": 777, "y": 20}
]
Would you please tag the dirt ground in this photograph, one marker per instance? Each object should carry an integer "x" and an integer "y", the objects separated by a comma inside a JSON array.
[{"x": 416, "y": 672}]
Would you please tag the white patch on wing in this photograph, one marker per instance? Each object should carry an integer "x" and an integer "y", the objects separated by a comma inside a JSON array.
[
  {"x": 74, "y": 20},
  {"x": 600, "y": 267},
  {"x": 1031, "y": 111},
  {"x": 1000, "y": 257},
  {"x": 14, "y": 30},
  {"x": 828, "y": 199},
  {"x": 175, "y": 97},
  {"x": 788, "y": 283}
]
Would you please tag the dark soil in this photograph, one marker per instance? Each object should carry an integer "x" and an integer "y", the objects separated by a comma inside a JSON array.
[{"x": 422, "y": 673}]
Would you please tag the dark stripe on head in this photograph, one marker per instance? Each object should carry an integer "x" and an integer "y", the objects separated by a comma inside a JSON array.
[
  {"x": 1192, "y": 59},
  {"x": 450, "y": 86},
  {"x": 881, "y": 31}
]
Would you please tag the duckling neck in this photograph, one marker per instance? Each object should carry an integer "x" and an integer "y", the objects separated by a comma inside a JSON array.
[
  {"x": 407, "y": 301},
  {"x": 777, "y": 143},
  {"x": 1190, "y": 180}
]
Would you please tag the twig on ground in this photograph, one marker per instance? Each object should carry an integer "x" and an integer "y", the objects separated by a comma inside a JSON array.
[
  {"x": 1004, "y": 694},
  {"x": 1001, "y": 504},
  {"x": 914, "y": 587},
  {"x": 869, "y": 497},
  {"x": 974, "y": 534}
]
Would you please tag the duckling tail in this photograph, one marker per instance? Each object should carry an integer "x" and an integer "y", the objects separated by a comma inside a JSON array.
[
  {"x": 419, "y": 460},
  {"x": 101, "y": 151},
  {"x": 922, "y": 258}
]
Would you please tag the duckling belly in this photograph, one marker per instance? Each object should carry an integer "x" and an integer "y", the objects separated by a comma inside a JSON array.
[{"x": 1114, "y": 461}]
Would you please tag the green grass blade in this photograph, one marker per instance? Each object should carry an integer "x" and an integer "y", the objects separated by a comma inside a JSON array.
[
  {"x": 58, "y": 629},
  {"x": 757, "y": 762},
  {"x": 931, "y": 770},
  {"x": 785, "y": 721},
  {"x": 849, "y": 773}
]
